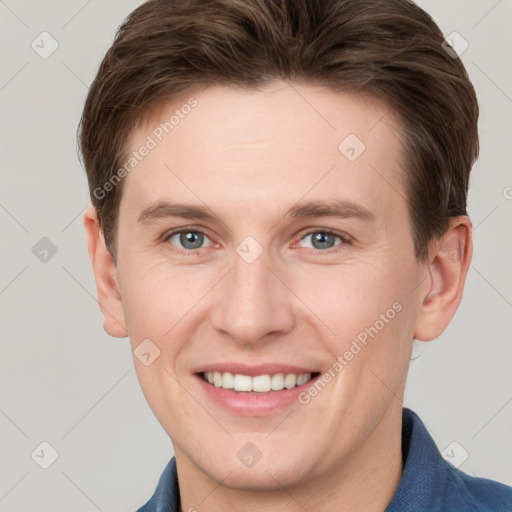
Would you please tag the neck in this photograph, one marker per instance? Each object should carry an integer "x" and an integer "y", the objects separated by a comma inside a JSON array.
[{"x": 364, "y": 481}]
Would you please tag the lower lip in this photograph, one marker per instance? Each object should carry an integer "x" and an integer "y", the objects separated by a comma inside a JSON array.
[{"x": 252, "y": 404}]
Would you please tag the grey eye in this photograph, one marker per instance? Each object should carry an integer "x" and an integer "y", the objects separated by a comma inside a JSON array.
[
  {"x": 322, "y": 239},
  {"x": 188, "y": 239}
]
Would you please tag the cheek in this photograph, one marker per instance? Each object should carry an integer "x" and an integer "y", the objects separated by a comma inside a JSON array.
[
  {"x": 159, "y": 306},
  {"x": 367, "y": 310},
  {"x": 347, "y": 297},
  {"x": 156, "y": 299}
]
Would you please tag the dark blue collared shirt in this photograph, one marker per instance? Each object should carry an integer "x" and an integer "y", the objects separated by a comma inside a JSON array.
[{"x": 428, "y": 483}]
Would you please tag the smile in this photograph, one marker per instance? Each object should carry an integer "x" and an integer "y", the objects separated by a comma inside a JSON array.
[{"x": 258, "y": 383}]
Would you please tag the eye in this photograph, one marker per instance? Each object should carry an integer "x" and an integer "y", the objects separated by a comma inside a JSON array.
[
  {"x": 188, "y": 239},
  {"x": 323, "y": 239}
]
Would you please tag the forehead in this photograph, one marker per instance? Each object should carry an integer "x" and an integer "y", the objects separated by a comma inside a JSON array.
[{"x": 276, "y": 143}]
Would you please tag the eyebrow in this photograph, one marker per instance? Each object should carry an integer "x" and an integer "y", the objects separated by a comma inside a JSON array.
[
  {"x": 330, "y": 208},
  {"x": 165, "y": 209},
  {"x": 304, "y": 210}
]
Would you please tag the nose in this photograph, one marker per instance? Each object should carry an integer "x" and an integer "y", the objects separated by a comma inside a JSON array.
[{"x": 254, "y": 304}]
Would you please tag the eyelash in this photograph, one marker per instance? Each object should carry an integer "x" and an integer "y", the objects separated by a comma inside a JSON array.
[
  {"x": 188, "y": 252},
  {"x": 345, "y": 240}
]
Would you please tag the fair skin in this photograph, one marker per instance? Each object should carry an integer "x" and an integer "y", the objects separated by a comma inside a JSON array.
[{"x": 247, "y": 158}]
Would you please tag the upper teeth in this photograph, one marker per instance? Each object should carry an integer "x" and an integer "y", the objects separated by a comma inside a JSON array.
[{"x": 258, "y": 383}]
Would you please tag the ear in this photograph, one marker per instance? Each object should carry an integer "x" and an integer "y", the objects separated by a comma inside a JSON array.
[
  {"x": 449, "y": 261},
  {"x": 105, "y": 274}
]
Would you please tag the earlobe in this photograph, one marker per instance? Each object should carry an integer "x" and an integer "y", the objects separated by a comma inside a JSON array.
[
  {"x": 109, "y": 298},
  {"x": 448, "y": 266}
]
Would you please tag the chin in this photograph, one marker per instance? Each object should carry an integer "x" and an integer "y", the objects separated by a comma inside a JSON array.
[{"x": 267, "y": 474}]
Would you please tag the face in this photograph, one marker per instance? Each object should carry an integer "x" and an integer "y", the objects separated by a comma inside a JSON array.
[{"x": 265, "y": 252}]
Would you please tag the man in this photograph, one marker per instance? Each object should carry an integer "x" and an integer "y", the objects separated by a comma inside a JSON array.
[{"x": 279, "y": 210}]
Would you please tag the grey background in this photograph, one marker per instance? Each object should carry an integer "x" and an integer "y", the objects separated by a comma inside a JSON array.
[{"x": 64, "y": 381}]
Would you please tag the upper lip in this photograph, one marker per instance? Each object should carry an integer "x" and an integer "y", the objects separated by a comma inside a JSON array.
[{"x": 253, "y": 369}]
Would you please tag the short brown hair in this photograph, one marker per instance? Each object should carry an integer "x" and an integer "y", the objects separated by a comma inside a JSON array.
[{"x": 391, "y": 49}]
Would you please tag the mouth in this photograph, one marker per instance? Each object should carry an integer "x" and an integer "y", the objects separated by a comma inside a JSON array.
[
  {"x": 254, "y": 390},
  {"x": 257, "y": 384}
]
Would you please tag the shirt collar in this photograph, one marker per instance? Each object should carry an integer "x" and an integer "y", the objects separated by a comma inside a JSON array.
[{"x": 424, "y": 477}]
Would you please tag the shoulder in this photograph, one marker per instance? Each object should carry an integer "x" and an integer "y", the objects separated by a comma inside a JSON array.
[
  {"x": 477, "y": 493},
  {"x": 430, "y": 483}
]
